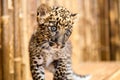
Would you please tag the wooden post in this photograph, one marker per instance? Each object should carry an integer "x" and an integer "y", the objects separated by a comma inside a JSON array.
[
  {"x": 75, "y": 37},
  {"x": 50, "y": 2},
  {"x": 81, "y": 32},
  {"x": 42, "y": 1},
  {"x": 91, "y": 33},
  {"x": 103, "y": 24},
  {"x": 31, "y": 18},
  {"x": 17, "y": 50},
  {"x": 60, "y": 2},
  {"x": 27, "y": 12},
  {"x": 5, "y": 43},
  {"x": 11, "y": 37},
  {"x": 119, "y": 15},
  {"x": 114, "y": 23},
  {"x": 1, "y": 70},
  {"x": 119, "y": 27},
  {"x": 67, "y": 4}
]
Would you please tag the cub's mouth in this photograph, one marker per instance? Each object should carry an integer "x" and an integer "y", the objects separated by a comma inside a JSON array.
[{"x": 56, "y": 45}]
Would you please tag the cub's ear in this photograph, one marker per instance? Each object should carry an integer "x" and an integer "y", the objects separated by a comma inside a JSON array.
[
  {"x": 43, "y": 9},
  {"x": 75, "y": 17}
]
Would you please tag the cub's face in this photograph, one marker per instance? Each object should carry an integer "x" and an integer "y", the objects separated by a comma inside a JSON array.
[{"x": 56, "y": 23}]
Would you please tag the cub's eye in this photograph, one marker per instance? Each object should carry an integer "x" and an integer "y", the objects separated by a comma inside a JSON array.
[
  {"x": 53, "y": 28},
  {"x": 68, "y": 33}
]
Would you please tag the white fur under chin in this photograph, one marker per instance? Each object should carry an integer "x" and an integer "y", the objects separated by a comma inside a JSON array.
[{"x": 88, "y": 77}]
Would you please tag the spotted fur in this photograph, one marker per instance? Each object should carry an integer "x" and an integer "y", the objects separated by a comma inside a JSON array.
[{"x": 49, "y": 47}]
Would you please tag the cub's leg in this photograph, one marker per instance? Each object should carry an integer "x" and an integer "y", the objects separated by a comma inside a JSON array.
[
  {"x": 63, "y": 70},
  {"x": 37, "y": 67}
]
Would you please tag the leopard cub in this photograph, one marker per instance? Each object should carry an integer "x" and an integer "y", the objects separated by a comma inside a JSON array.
[{"x": 49, "y": 46}]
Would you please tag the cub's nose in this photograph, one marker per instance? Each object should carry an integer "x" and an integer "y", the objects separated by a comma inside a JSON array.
[
  {"x": 56, "y": 45},
  {"x": 54, "y": 40}
]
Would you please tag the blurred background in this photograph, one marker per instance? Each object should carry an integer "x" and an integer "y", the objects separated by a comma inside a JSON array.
[{"x": 95, "y": 38}]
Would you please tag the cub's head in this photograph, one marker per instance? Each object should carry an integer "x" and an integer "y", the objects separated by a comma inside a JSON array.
[{"x": 55, "y": 24}]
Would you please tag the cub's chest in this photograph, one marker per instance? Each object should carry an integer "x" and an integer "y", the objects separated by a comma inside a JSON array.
[{"x": 50, "y": 54}]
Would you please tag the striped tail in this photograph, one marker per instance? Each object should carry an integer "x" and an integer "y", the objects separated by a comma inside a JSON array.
[{"x": 81, "y": 77}]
